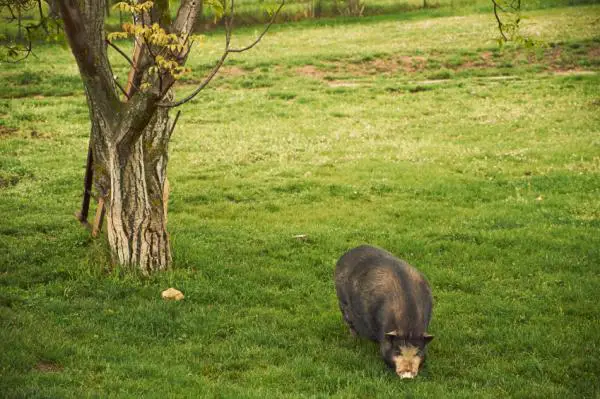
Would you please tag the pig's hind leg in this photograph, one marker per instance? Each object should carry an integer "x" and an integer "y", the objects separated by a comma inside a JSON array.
[{"x": 347, "y": 318}]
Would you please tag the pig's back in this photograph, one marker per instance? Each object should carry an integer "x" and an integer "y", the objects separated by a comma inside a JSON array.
[{"x": 382, "y": 293}]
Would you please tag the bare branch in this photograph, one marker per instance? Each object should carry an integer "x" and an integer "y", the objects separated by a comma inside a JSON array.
[
  {"x": 508, "y": 17},
  {"x": 17, "y": 49},
  {"x": 264, "y": 32},
  {"x": 498, "y": 6},
  {"x": 174, "y": 123},
  {"x": 226, "y": 52},
  {"x": 121, "y": 52},
  {"x": 121, "y": 88},
  {"x": 27, "y": 50},
  {"x": 42, "y": 23},
  {"x": 202, "y": 85},
  {"x": 12, "y": 13},
  {"x": 500, "y": 24}
]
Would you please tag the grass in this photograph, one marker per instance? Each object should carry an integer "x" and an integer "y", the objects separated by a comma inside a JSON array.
[{"x": 478, "y": 165}]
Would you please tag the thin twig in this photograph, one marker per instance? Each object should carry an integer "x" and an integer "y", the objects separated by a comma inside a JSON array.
[
  {"x": 121, "y": 88},
  {"x": 498, "y": 6},
  {"x": 202, "y": 85},
  {"x": 500, "y": 24},
  {"x": 220, "y": 62},
  {"x": 174, "y": 123},
  {"x": 42, "y": 18},
  {"x": 12, "y": 13},
  {"x": 259, "y": 38},
  {"x": 121, "y": 52},
  {"x": 27, "y": 50}
]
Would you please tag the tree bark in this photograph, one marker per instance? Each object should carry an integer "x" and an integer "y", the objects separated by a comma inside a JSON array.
[{"x": 136, "y": 208}]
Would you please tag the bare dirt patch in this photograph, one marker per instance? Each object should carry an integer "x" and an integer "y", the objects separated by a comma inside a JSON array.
[
  {"x": 412, "y": 64},
  {"x": 311, "y": 71},
  {"x": 557, "y": 59},
  {"x": 384, "y": 66},
  {"x": 379, "y": 66},
  {"x": 232, "y": 71},
  {"x": 48, "y": 367},
  {"x": 8, "y": 131},
  {"x": 486, "y": 55},
  {"x": 594, "y": 52}
]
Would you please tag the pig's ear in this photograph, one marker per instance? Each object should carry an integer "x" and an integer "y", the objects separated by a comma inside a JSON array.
[
  {"x": 427, "y": 338},
  {"x": 391, "y": 335}
]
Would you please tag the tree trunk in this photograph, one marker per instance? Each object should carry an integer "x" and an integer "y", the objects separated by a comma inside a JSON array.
[
  {"x": 133, "y": 183},
  {"x": 129, "y": 138},
  {"x": 354, "y": 8}
]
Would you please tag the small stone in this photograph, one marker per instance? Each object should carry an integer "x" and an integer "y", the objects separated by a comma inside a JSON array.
[{"x": 172, "y": 294}]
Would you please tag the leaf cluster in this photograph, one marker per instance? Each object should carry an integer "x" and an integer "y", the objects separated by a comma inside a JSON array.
[
  {"x": 508, "y": 16},
  {"x": 166, "y": 49}
]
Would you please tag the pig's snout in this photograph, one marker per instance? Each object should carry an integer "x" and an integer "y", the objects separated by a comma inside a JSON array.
[{"x": 406, "y": 374}]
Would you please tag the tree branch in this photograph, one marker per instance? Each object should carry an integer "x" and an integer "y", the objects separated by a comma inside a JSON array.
[
  {"x": 42, "y": 18},
  {"x": 500, "y": 24},
  {"x": 186, "y": 17},
  {"x": 174, "y": 123},
  {"x": 76, "y": 33},
  {"x": 226, "y": 52},
  {"x": 121, "y": 52},
  {"x": 264, "y": 32},
  {"x": 507, "y": 14},
  {"x": 121, "y": 88},
  {"x": 84, "y": 27}
]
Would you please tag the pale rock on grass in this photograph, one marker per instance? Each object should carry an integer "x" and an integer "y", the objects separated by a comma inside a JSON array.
[{"x": 172, "y": 294}]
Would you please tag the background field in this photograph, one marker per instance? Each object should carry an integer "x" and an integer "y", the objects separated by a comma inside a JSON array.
[{"x": 479, "y": 165}]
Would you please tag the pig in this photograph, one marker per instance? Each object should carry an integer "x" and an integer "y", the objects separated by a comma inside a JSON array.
[{"x": 388, "y": 301}]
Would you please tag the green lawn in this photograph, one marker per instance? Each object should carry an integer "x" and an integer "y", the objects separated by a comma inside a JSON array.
[{"x": 478, "y": 165}]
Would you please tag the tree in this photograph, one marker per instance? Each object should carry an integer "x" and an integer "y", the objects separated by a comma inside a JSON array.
[
  {"x": 131, "y": 127},
  {"x": 355, "y": 8}
]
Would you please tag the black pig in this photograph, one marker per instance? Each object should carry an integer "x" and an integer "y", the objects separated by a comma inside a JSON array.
[{"x": 388, "y": 301}]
